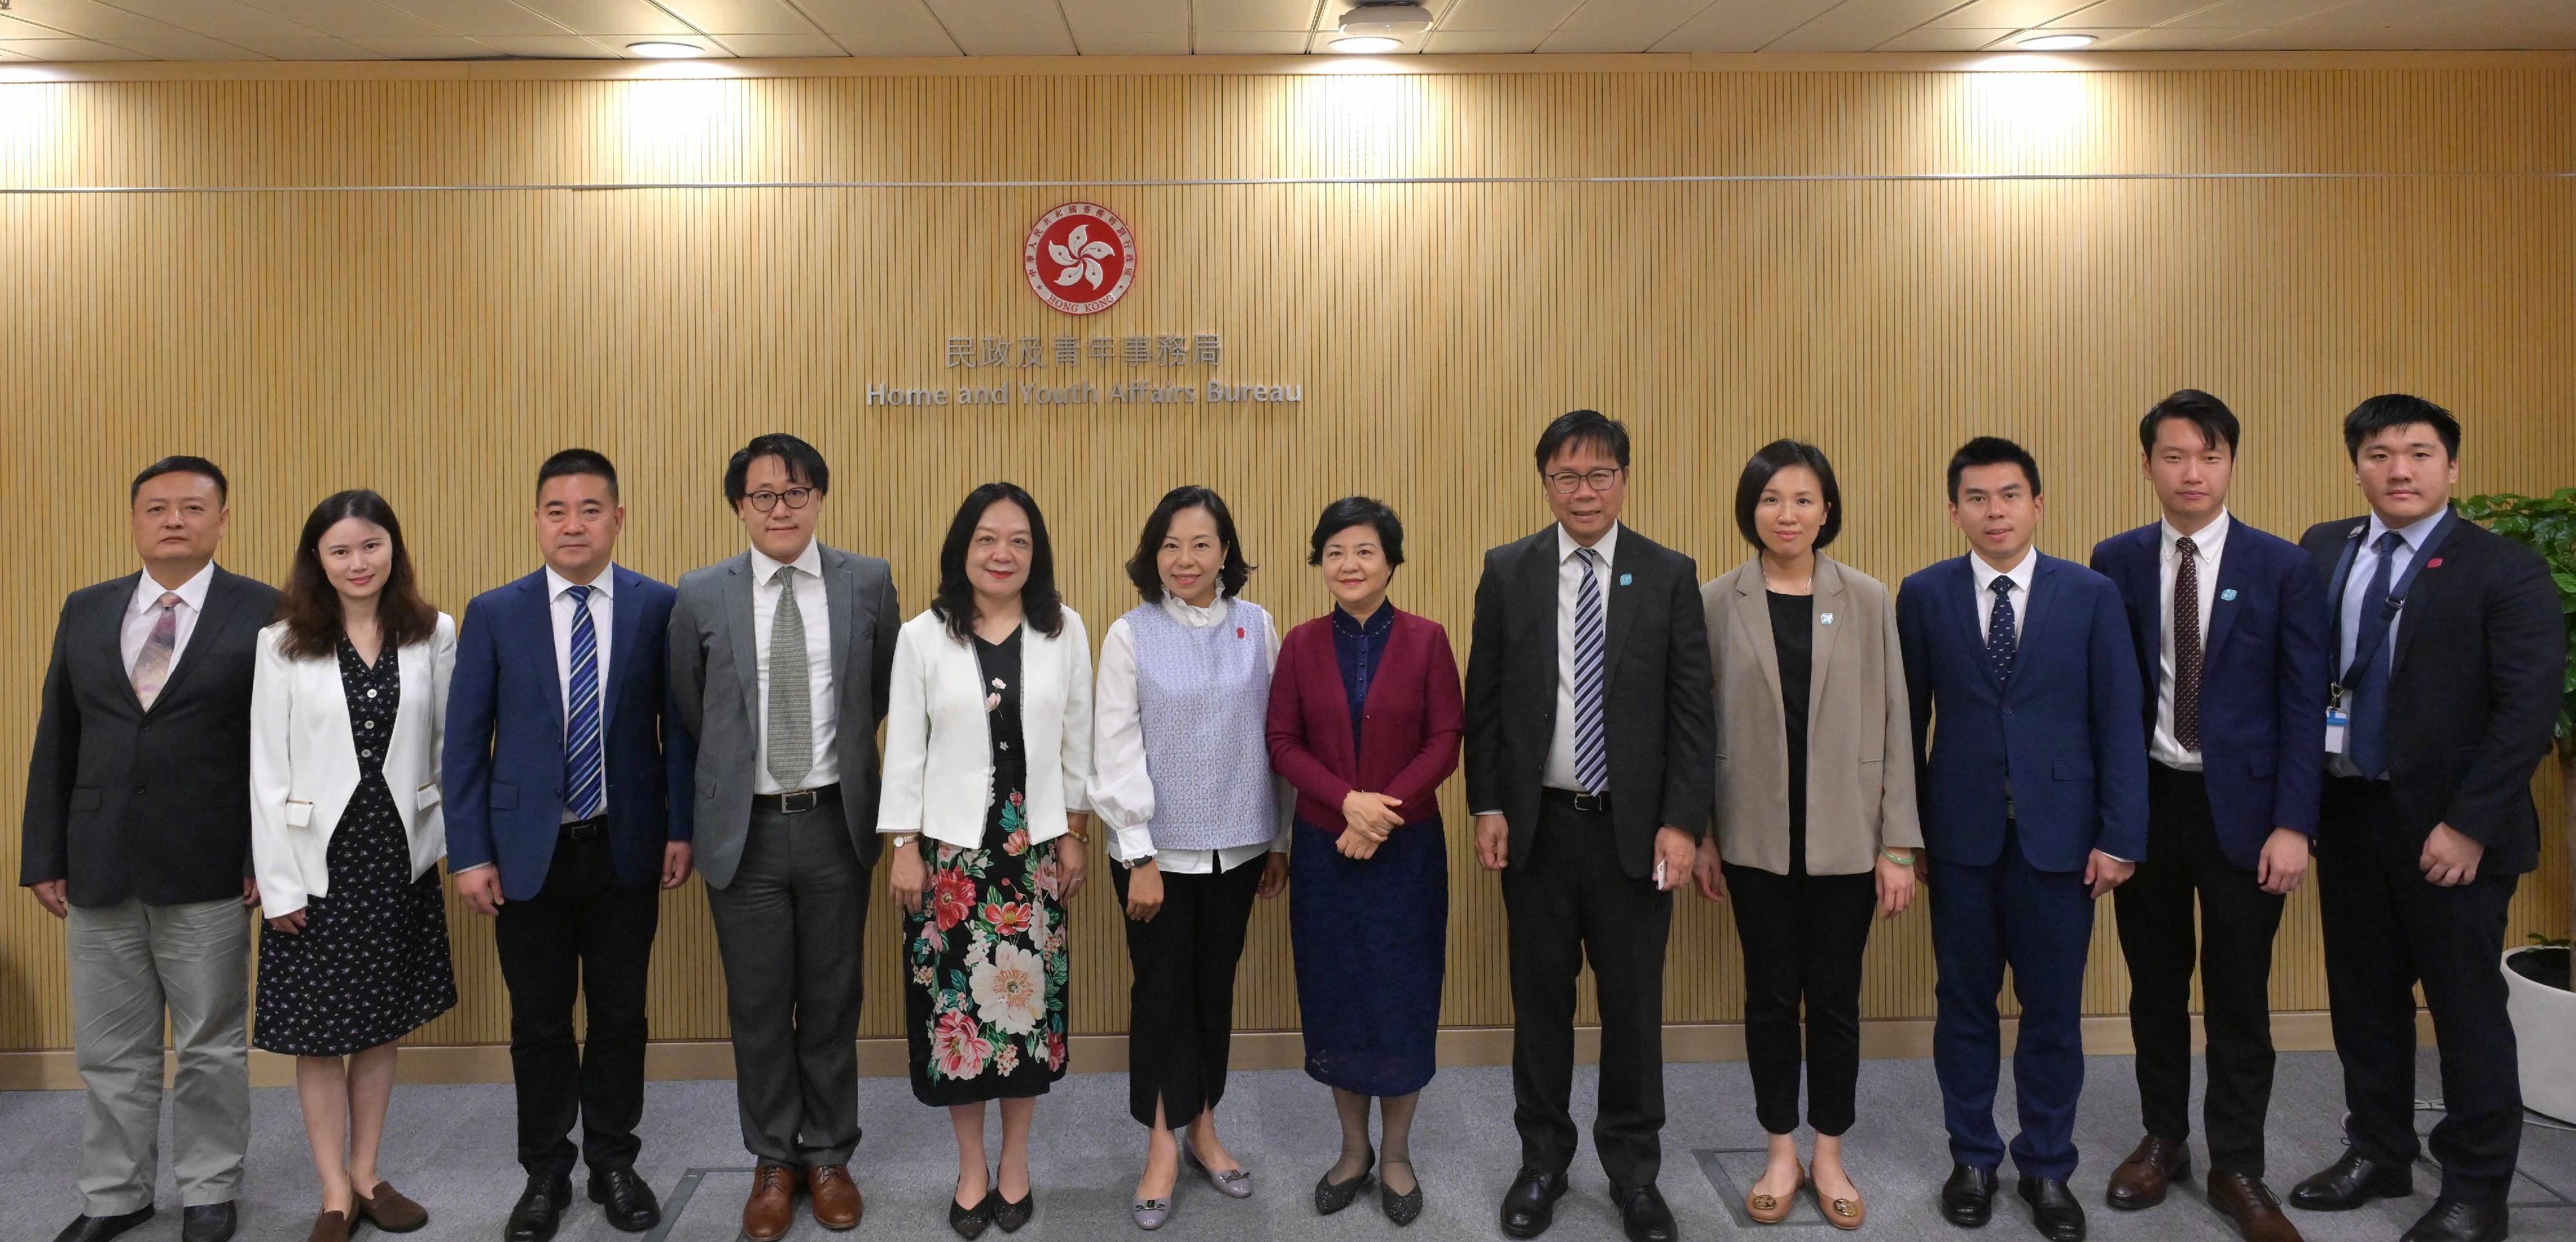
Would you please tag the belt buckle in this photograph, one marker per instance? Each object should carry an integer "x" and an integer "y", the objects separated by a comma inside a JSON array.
[
  {"x": 1591, "y": 802},
  {"x": 798, "y": 802}
]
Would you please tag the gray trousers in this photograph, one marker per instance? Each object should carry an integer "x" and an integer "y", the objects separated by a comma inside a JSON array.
[
  {"x": 129, "y": 963},
  {"x": 788, "y": 929}
]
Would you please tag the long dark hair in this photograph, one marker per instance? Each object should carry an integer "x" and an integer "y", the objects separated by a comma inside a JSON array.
[
  {"x": 1040, "y": 605},
  {"x": 310, "y": 605},
  {"x": 1143, "y": 569}
]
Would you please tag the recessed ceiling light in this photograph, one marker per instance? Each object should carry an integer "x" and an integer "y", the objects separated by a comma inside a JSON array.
[
  {"x": 2056, "y": 43},
  {"x": 1367, "y": 43},
  {"x": 666, "y": 51}
]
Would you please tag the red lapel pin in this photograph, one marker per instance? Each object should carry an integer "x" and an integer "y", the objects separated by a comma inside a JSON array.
[
  {"x": 1238, "y": 630},
  {"x": 2435, "y": 563}
]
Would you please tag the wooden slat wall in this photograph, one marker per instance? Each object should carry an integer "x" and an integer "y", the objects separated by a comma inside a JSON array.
[{"x": 435, "y": 342}]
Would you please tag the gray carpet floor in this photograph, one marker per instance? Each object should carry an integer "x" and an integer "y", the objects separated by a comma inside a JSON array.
[{"x": 451, "y": 1148}]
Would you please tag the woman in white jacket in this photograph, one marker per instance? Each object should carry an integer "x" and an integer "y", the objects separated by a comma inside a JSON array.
[
  {"x": 346, "y": 709},
  {"x": 988, "y": 748}
]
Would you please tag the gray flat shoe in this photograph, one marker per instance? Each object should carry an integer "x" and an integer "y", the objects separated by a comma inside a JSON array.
[
  {"x": 1233, "y": 1183},
  {"x": 1151, "y": 1213}
]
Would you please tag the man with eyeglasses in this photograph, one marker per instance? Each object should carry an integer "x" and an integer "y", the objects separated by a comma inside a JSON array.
[
  {"x": 1591, "y": 765},
  {"x": 778, "y": 666}
]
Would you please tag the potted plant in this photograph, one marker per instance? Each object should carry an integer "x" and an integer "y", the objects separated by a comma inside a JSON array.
[{"x": 2536, "y": 982}]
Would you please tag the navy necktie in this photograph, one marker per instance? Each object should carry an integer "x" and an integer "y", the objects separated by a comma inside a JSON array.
[
  {"x": 2368, "y": 711},
  {"x": 1999, "y": 630},
  {"x": 584, "y": 772}
]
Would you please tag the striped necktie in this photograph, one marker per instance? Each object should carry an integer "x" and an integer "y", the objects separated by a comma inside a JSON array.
[
  {"x": 585, "y": 772},
  {"x": 1591, "y": 744}
]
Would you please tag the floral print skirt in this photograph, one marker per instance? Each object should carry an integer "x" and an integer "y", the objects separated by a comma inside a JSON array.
[{"x": 984, "y": 991}]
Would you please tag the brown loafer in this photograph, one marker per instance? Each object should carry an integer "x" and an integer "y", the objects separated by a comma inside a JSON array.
[
  {"x": 771, "y": 1209},
  {"x": 837, "y": 1204},
  {"x": 2142, "y": 1179},
  {"x": 329, "y": 1227},
  {"x": 390, "y": 1211},
  {"x": 2248, "y": 1204}
]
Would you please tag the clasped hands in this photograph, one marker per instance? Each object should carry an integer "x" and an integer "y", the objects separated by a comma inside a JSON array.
[{"x": 1367, "y": 818}]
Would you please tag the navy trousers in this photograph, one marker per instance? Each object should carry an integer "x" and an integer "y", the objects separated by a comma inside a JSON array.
[{"x": 2040, "y": 923}]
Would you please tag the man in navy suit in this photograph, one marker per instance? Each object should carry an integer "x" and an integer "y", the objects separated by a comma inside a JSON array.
[
  {"x": 557, "y": 826},
  {"x": 2034, "y": 803},
  {"x": 2231, "y": 638}
]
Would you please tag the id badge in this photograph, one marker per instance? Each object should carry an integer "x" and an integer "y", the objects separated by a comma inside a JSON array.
[{"x": 2335, "y": 722}]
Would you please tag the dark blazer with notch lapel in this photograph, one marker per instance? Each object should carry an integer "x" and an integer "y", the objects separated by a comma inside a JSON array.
[
  {"x": 2066, "y": 731},
  {"x": 153, "y": 805},
  {"x": 1656, "y": 692},
  {"x": 2481, "y": 662},
  {"x": 504, "y": 761},
  {"x": 715, "y": 700},
  {"x": 2263, "y": 676}
]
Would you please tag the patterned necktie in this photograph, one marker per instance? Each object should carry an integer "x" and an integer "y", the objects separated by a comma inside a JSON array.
[
  {"x": 1999, "y": 629},
  {"x": 585, "y": 772},
  {"x": 2186, "y": 641},
  {"x": 152, "y": 664},
  {"x": 1591, "y": 745},
  {"x": 791, "y": 691},
  {"x": 2368, "y": 720}
]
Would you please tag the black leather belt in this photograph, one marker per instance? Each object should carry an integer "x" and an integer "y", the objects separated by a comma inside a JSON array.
[
  {"x": 585, "y": 829},
  {"x": 1588, "y": 803},
  {"x": 796, "y": 802}
]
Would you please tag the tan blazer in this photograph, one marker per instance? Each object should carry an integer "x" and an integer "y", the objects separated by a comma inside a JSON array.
[{"x": 1860, "y": 748}]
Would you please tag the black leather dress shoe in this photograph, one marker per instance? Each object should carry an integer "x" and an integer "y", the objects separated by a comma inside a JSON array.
[
  {"x": 2053, "y": 1209},
  {"x": 540, "y": 1208},
  {"x": 1968, "y": 1198},
  {"x": 101, "y": 1228},
  {"x": 2458, "y": 1220},
  {"x": 1642, "y": 1211},
  {"x": 207, "y": 1222},
  {"x": 1530, "y": 1205},
  {"x": 625, "y": 1200},
  {"x": 2352, "y": 1181}
]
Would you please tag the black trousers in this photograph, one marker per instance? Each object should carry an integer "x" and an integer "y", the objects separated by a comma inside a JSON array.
[
  {"x": 1802, "y": 937},
  {"x": 2387, "y": 928},
  {"x": 2236, "y": 922},
  {"x": 582, "y": 933},
  {"x": 1180, "y": 1010},
  {"x": 1567, "y": 901}
]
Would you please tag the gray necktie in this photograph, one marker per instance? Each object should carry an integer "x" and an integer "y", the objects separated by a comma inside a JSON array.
[{"x": 791, "y": 691}]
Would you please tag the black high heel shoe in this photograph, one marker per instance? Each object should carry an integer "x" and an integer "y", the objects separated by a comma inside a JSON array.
[
  {"x": 969, "y": 1222},
  {"x": 1332, "y": 1196}
]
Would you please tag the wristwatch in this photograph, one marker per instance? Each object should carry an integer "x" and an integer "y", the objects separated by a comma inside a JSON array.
[{"x": 905, "y": 838}]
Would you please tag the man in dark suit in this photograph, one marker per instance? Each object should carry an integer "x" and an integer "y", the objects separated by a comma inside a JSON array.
[
  {"x": 557, "y": 827},
  {"x": 1591, "y": 764},
  {"x": 779, "y": 661},
  {"x": 2449, "y": 654},
  {"x": 2231, "y": 644},
  {"x": 2025, "y": 662},
  {"x": 137, "y": 833}
]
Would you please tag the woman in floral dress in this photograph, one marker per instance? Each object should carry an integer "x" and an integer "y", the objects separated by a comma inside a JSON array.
[{"x": 988, "y": 747}]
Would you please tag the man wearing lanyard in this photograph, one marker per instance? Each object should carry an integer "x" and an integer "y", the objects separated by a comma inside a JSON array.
[{"x": 2449, "y": 655}]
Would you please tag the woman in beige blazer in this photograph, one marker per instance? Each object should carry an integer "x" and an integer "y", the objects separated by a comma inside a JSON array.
[{"x": 1815, "y": 805}]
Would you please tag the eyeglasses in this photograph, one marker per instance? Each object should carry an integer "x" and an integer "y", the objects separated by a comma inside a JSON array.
[
  {"x": 1565, "y": 481},
  {"x": 796, "y": 498}
]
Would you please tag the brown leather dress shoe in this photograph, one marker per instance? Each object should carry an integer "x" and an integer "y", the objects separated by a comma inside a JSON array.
[
  {"x": 837, "y": 1204},
  {"x": 329, "y": 1227},
  {"x": 2141, "y": 1180},
  {"x": 2248, "y": 1204},
  {"x": 771, "y": 1209},
  {"x": 390, "y": 1211}
]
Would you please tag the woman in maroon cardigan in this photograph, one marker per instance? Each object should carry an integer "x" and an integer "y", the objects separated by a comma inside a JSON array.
[{"x": 1365, "y": 716}]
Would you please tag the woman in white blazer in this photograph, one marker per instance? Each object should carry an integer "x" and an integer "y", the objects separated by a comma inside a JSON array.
[
  {"x": 988, "y": 748},
  {"x": 346, "y": 706}
]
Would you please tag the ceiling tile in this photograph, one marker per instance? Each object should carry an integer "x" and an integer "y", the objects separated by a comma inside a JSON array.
[
  {"x": 881, "y": 25},
  {"x": 1713, "y": 39},
  {"x": 2134, "y": 12},
  {"x": 1022, "y": 20},
  {"x": 595, "y": 16},
  {"x": 1330, "y": 18},
  {"x": 1888, "y": 15},
  {"x": 1113, "y": 43},
  {"x": 1939, "y": 39},
  {"x": 12, "y": 28},
  {"x": 2172, "y": 39},
  {"x": 1127, "y": 16},
  {"x": 2016, "y": 14},
  {"x": 898, "y": 44},
  {"x": 1467, "y": 15},
  {"x": 306, "y": 47},
  {"x": 782, "y": 46},
  {"x": 221, "y": 19},
  {"x": 1655, "y": 15},
  {"x": 67, "y": 50},
  {"x": 1595, "y": 41},
  {"x": 1814, "y": 38},
  {"x": 1268, "y": 15},
  {"x": 1742, "y": 25},
  {"x": 740, "y": 16},
  {"x": 548, "y": 47},
  {"x": 1252, "y": 42},
  {"x": 429, "y": 47},
  {"x": 477, "y": 18},
  {"x": 2252, "y": 15},
  {"x": 1484, "y": 41},
  {"x": 1029, "y": 42},
  {"x": 85, "y": 19},
  {"x": 346, "y": 18},
  {"x": 620, "y": 45}
]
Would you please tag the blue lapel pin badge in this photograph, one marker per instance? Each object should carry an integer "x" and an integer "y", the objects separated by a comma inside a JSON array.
[
  {"x": 1625, "y": 579},
  {"x": 2229, "y": 593},
  {"x": 1828, "y": 619}
]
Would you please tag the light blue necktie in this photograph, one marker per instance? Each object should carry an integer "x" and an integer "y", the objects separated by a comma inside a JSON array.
[
  {"x": 1591, "y": 749},
  {"x": 584, "y": 772}
]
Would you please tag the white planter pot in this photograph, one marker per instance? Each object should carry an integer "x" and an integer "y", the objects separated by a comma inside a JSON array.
[{"x": 2544, "y": 1029}]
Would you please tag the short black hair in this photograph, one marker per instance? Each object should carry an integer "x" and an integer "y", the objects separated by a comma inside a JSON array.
[
  {"x": 2396, "y": 409},
  {"x": 804, "y": 464},
  {"x": 1142, "y": 568},
  {"x": 580, "y": 461},
  {"x": 1773, "y": 458},
  {"x": 1350, "y": 511},
  {"x": 182, "y": 464},
  {"x": 1584, "y": 427},
  {"x": 2216, "y": 422},
  {"x": 1992, "y": 451},
  {"x": 1041, "y": 605}
]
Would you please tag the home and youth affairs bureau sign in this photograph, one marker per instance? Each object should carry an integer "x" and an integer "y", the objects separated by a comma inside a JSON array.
[{"x": 1081, "y": 259}]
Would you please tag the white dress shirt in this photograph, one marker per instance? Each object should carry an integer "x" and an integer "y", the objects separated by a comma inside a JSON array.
[
  {"x": 1559, "y": 770},
  {"x": 2163, "y": 746},
  {"x": 814, "y": 605},
  {"x": 603, "y": 610},
  {"x": 145, "y": 612},
  {"x": 1123, "y": 791},
  {"x": 2356, "y": 597},
  {"x": 2022, "y": 576}
]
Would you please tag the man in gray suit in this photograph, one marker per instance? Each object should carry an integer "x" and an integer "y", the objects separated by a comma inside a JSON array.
[
  {"x": 779, "y": 660},
  {"x": 137, "y": 833}
]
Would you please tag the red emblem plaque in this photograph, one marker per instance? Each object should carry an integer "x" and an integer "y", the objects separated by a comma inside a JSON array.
[{"x": 1079, "y": 258}]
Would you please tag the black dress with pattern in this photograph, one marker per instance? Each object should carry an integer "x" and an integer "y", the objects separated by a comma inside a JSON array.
[{"x": 371, "y": 964}]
